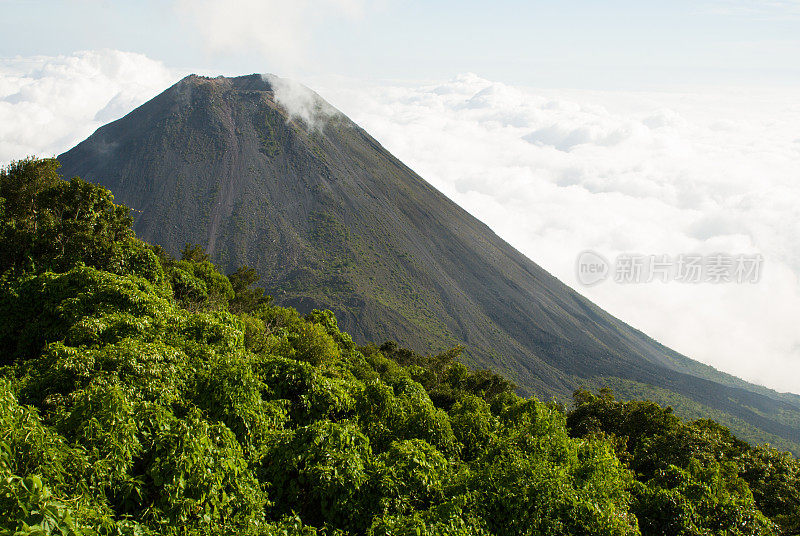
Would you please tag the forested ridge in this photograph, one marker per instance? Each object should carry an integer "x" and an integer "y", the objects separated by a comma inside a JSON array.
[{"x": 143, "y": 394}]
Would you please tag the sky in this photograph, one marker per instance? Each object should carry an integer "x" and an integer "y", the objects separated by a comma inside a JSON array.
[
  {"x": 586, "y": 44},
  {"x": 621, "y": 128}
]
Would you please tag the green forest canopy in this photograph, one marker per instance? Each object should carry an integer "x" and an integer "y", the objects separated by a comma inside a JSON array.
[{"x": 142, "y": 394}]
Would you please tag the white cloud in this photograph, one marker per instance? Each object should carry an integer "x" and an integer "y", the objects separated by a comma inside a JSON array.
[
  {"x": 49, "y": 103},
  {"x": 770, "y": 10},
  {"x": 281, "y": 31},
  {"x": 300, "y": 102},
  {"x": 557, "y": 172}
]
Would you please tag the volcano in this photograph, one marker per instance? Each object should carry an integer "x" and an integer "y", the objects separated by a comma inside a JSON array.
[{"x": 263, "y": 172}]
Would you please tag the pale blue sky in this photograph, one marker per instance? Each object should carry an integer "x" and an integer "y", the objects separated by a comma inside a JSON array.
[{"x": 586, "y": 44}]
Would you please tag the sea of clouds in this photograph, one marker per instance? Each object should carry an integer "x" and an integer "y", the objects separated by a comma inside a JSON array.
[
  {"x": 554, "y": 172},
  {"x": 49, "y": 103},
  {"x": 557, "y": 172}
]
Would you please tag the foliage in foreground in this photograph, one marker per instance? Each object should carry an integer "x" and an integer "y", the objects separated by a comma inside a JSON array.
[{"x": 146, "y": 395}]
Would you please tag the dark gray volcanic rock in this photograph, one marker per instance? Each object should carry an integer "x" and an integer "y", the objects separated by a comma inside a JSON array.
[{"x": 331, "y": 220}]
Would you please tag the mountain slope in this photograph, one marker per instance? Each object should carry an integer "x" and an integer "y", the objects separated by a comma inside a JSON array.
[{"x": 331, "y": 220}]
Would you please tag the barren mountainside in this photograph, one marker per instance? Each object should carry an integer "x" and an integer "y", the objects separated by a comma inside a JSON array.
[{"x": 330, "y": 219}]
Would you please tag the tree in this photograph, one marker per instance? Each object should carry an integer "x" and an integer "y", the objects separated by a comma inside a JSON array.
[
  {"x": 52, "y": 224},
  {"x": 246, "y": 298}
]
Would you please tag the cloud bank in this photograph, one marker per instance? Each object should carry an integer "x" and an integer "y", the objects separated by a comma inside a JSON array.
[
  {"x": 48, "y": 104},
  {"x": 558, "y": 172},
  {"x": 554, "y": 172}
]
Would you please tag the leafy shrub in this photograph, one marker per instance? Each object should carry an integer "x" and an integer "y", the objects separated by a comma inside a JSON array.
[
  {"x": 229, "y": 392},
  {"x": 473, "y": 423},
  {"x": 412, "y": 477},
  {"x": 196, "y": 473},
  {"x": 312, "y": 343},
  {"x": 320, "y": 470}
]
